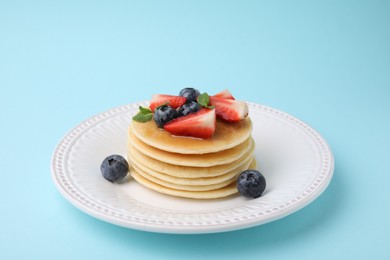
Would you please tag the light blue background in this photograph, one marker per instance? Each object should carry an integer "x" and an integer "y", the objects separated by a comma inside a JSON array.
[{"x": 325, "y": 62}]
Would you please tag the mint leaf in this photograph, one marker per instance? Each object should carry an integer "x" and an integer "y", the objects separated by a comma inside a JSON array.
[
  {"x": 144, "y": 115},
  {"x": 142, "y": 118},
  {"x": 203, "y": 100},
  {"x": 145, "y": 110}
]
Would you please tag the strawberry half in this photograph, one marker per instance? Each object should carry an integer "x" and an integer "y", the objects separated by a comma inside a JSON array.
[
  {"x": 225, "y": 94},
  {"x": 228, "y": 109},
  {"x": 200, "y": 124},
  {"x": 173, "y": 101}
]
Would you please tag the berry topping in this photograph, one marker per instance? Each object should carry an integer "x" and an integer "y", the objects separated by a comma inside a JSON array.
[
  {"x": 224, "y": 94},
  {"x": 228, "y": 109},
  {"x": 189, "y": 93},
  {"x": 200, "y": 124},
  {"x": 172, "y": 101},
  {"x": 163, "y": 114},
  {"x": 114, "y": 168},
  {"x": 188, "y": 108},
  {"x": 251, "y": 183}
]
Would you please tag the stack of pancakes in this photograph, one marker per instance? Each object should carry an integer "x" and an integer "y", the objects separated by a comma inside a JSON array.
[{"x": 191, "y": 167}]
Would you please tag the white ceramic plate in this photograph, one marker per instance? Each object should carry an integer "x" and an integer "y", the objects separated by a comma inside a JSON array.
[{"x": 295, "y": 160}]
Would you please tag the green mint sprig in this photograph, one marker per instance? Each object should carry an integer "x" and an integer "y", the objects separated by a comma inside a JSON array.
[
  {"x": 204, "y": 100},
  {"x": 144, "y": 115}
]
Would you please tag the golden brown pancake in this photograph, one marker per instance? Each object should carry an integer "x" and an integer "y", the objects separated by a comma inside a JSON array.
[
  {"x": 194, "y": 160},
  {"x": 210, "y": 194},
  {"x": 192, "y": 181},
  {"x": 201, "y": 187},
  {"x": 185, "y": 171},
  {"x": 227, "y": 135}
]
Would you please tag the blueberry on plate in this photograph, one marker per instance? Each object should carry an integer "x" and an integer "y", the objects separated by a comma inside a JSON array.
[
  {"x": 114, "y": 168},
  {"x": 163, "y": 114},
  {"x": 190, "y": 94},
  {"x": 251, "y": 183},
  {"x": 188, "y": 108}
]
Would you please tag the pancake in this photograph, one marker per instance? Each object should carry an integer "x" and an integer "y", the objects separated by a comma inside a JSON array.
[
  {"x": 228, "y": 190},
  {"x": 183, "y": 171},
  {"x": 227, "y": 135},
  {"x": 184, "y": 187},
  {"x": 192, "y": 181},
  {"x": 194, "y": 160}
]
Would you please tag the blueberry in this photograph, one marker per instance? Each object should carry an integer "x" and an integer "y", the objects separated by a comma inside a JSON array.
[
  {"x": 114, "y": 168},
  {"x": 188, "y": 108},
  {"x": 163, "y": 115},
  {"x": 251, "y": 183},
  {"x": 190, "y": 94}
]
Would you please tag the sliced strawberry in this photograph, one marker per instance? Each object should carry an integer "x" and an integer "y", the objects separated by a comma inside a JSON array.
[
  {"x": 173, "y": 101},
  {"x": 228, "y": 109},
  {"x": 224, "y": 94},
  {"x": 200, "y": 124}
]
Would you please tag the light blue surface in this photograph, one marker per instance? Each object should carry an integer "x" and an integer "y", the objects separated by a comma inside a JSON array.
[{"x": 325, "y": 62}]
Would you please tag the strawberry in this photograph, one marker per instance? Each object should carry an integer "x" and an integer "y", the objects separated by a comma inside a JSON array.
[
  {"x": 173, "y": 101},
  {"x": 225, "y": 94},
  {"x": 228, "y": 109},
  {"x": 200, "y": 124}
]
